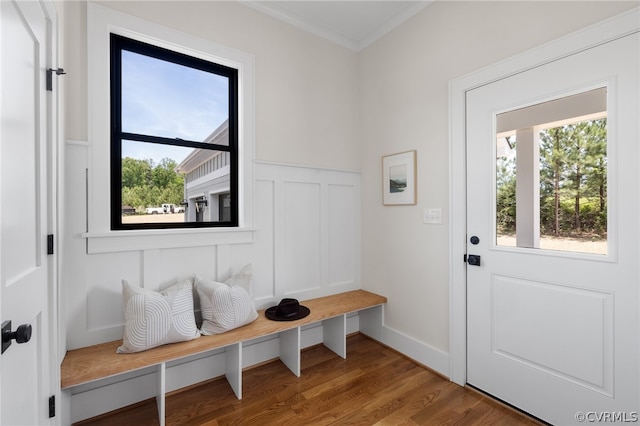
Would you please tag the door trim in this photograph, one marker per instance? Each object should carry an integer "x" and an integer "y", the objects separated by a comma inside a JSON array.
[
  {"x": 611, "y": 29},
  {"x": 55, "y": 170},
  {"x": 55, "y": 175}
]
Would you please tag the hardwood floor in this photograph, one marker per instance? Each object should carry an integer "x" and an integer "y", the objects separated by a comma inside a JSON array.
[{"x": 373, "y": 386}]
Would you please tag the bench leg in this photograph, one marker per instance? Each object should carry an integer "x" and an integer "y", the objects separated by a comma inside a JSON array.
[
  {"x": 162, "y": 390},
  {"x": 371, "y": 321},
  {"x": 334, "y": 334},
  {"x": 233, "y": 370},
  {"x": 290, "y": 349}
]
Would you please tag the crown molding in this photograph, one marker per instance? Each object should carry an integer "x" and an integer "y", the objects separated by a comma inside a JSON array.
[{"x": 357, "y": 45}]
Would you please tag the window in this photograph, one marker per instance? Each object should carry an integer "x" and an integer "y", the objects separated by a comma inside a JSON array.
[
  {"x": 101, "y": 235},
  {"x": 551, "y": 175},
  {"x": 174, "y": 138}
]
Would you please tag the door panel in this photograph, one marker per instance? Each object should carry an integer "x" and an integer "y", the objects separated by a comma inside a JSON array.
[
  {"x": 23, "y": 212},
  {"x": 553, "y": 346},
  {"x": 556, "y": 332}
]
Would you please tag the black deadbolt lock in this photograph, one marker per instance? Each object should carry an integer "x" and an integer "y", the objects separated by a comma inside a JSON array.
[
  {"x": 474, "y": 240},
  {"x": 473, "y": 259}
]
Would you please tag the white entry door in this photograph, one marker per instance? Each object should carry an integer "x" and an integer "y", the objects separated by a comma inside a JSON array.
[
  {"x": 553, "y": 322},
  {"x": 25, "y": 279}
]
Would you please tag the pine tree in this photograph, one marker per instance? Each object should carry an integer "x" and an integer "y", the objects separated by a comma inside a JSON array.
[{"x": 553, "y": 165}]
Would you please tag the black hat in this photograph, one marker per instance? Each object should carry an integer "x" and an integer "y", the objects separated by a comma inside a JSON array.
[{"x": 287, "y": 310}]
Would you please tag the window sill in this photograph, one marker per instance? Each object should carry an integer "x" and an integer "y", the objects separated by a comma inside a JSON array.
[{"x": 119, "y": 241}]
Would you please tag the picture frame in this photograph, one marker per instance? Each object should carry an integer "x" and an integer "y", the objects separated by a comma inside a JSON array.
[{"x": 399, "y": 179}]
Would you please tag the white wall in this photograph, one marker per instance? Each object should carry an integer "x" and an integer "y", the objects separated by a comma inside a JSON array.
[{"x": 404, "y": 105}]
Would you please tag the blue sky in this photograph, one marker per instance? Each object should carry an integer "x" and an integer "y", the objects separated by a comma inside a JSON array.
[{"x": 164, "y": 99}]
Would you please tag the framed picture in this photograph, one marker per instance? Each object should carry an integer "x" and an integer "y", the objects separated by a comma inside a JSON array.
[{"x": 399, "y": 179}]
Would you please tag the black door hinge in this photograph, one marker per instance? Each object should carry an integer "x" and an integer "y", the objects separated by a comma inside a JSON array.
[
  {"x": 50, "y": 71},
  {"x": 50, "y": 244},
  {"x": 52, "y": 406}
]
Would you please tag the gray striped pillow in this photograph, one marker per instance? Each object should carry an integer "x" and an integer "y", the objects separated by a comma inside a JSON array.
[
  {"x": 224, "y": 306},
  {"x": 156, "y": 318}
]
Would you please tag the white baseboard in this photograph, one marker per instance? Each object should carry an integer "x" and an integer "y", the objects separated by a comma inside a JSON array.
[{"x": 422, "y": 353}]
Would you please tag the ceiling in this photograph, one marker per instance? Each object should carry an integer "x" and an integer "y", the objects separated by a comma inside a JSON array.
[{"x": 352, "y": 24}]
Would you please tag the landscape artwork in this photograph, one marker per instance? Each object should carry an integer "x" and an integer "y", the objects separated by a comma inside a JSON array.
[{"x": 399, "y": 179}]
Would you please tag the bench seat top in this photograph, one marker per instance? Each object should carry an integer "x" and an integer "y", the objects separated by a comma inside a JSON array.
[{"x": 100, "y": 361}]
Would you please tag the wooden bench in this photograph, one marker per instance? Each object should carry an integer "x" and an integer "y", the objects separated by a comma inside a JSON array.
[{"x": 101, "y": 361}]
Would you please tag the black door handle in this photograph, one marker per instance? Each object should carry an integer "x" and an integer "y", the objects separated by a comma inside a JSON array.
[{"x": 21, "y": 335}]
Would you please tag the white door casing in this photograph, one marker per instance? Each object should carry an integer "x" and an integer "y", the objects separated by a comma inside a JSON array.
[
  {"x": 557, "y": 334},
  {"x": 27, "y": 204}
]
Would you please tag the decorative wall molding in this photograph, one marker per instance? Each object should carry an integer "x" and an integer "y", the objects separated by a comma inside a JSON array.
[
  {"x": 305, "y": 244},
  {"x": 314, "y": 228}
]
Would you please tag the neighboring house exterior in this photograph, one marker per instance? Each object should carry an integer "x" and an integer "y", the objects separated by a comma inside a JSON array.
[{"x": 206, "y": 180}]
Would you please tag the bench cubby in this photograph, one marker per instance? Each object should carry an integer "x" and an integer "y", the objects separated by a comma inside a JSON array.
[{"x": 100, "y": 362}]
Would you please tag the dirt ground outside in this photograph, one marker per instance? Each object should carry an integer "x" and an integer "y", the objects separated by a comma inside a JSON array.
[
  {"x": 598, "y": 246},
  {"x": 154, "y": 218}
]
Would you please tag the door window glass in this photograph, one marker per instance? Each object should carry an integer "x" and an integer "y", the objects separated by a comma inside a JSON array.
[{"x": 551, "y": 175}]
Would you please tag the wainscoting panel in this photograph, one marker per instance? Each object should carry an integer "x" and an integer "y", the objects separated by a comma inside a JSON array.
[
  {"x": 306, "y": 244},
  {"x": 104, "y": 288},
  {"x": 343, "y": 211},
  {"x": 162, "y": 268},
  {"x": 301, "y": 238},
  {"x": 264, "y": 243},
  {"x": 316, "y": 228}
]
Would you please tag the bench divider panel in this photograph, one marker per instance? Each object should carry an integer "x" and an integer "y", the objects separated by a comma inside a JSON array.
[
  {"x": 233, "y": 371},
  {"x": 290, "y": 349},
  {"x": 334, "y": 334},
  {"x": 161, "y": 373}
]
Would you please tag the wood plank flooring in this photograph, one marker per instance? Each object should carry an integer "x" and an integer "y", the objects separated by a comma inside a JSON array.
[{"x": 373, "y": 386}]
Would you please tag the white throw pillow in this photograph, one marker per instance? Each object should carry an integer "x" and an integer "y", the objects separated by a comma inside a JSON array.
[
  {"x": 244, "y": 279},
  {"x": 156, "y": 318},
  {"x": 227, "y": 305}
]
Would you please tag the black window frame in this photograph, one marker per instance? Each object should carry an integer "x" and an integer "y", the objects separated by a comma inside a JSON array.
[{"x": 119, "y": 43}]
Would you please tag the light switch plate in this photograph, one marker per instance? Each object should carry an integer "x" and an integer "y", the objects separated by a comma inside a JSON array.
[{"x": 432, "y": 215}]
